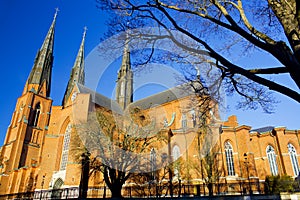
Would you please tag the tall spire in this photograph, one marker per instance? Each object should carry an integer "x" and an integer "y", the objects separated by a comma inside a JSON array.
[
  {"x": 124, "y": 90},
  {"x": 40, "y": 74},
  {"x": 126, "y": 65},
  {"x": 78, "y": 67},
  {"x": 77, "y": 74}
]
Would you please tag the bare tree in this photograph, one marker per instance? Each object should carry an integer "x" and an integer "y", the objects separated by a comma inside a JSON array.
[
  {"x": 118, "y": 150},
  {"x": 208, "y": 165},
  {"x": 222, "y": 30}
]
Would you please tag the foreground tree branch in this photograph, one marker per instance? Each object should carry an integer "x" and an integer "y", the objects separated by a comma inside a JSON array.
[{"x": 243, "y": 21}]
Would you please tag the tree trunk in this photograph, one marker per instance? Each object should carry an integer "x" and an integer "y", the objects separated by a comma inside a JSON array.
[
  {"x": 84, "y": 181},
  {"x": 116, "y": 191},
  {"x": 210, "y": 189}
]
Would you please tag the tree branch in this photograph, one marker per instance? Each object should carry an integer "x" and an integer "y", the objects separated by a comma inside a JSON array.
[
  {"x": 231, "y": 67},
  {"x": 273, "y": 70}
]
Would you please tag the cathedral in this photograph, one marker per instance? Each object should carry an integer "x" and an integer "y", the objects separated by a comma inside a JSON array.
[{"x": 36, "y": 154}]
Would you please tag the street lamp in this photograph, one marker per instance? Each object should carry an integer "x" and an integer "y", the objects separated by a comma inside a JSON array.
[
  {"x": 247, "y": 168},
  {"x": 42, "y": 185},
  {"x": 170, "y": 134}
]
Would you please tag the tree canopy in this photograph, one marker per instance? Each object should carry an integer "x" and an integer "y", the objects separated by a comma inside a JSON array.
[
  {"x": 117, "y": 150},
  {"x": 222, "y": 30}
]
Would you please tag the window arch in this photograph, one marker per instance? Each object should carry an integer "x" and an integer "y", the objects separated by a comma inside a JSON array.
[
  {"x": 37, "y": 112},
  {"x": 229, "y": 159},
  {"x": 34, "y": 115},
  {"x": 294, "y": 160},
  {"x": 176, "y": 155},
  {"x": 272, "y": 160},
  {"x": 65, "y": 151}
]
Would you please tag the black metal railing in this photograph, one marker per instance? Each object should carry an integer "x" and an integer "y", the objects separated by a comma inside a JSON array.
[{"x": 147, "y": 190}]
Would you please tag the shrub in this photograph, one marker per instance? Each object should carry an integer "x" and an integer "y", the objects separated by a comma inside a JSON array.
[{"x": 277, "y": 184}]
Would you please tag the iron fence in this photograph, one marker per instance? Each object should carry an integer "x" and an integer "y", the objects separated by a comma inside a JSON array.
[{"x": 147, "y": 190}]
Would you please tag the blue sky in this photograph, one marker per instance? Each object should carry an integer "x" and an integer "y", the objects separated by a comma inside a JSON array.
[{"x": 24, "y": 25}]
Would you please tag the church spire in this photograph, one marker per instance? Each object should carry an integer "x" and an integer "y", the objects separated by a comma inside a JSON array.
[
  {"x": 39, "y": 79},
  {"x": 126, "y": 65},
  {"x": 77, "y": 74},
  {"x": 124, "y": 88}
]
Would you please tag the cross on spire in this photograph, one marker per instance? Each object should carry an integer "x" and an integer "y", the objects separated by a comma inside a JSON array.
[
  {"x": 84, "y": 31},
  {"x": 56, "y": 11}
]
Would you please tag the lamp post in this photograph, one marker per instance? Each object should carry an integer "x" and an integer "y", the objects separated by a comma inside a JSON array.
[
  {"x": 42, "y": 185},
  {"x": 247, "y": 168},
  {"x": 170, "y": 134}
]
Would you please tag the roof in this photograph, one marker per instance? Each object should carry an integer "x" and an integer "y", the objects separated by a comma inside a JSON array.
[
  {"x": 100, "y": 99},
  {"x": 263, "y": 129},
  {"x": 166, "y": 96}
]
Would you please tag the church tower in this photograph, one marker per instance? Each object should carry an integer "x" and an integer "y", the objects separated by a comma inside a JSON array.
[
  {"x": 77, "y": 74},
  {"x": 24, "y": 140},
  {"x": 124, "y": 90}
]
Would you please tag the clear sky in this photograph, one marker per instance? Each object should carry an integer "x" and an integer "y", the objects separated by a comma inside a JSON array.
[{"x": 24, "y": 25}]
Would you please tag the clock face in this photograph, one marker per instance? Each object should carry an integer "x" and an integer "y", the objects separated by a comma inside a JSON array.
[{"x": 73, "y": 96}]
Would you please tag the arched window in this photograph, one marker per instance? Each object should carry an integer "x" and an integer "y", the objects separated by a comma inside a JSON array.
[
  {"x": 272, "y": 160},
  {"x": 229, "y": 159},
  {"x": 65, "y": 151},
  {"x": 175, "y": 152},
  {"x": 34, "y": 137},
  {"x": 58, "y": 183},
  {"x": 153, "y": 163},
  {"x": 176, "y": 155},
  {"x": 56, "y": 194},
  {"x": 34, "y": 115},
  {"x": 37, "y": 112},
  {"x": 294, "y": 160},
  {"x": 183, "y": 121},
  {"x": 193, "y": 113}
]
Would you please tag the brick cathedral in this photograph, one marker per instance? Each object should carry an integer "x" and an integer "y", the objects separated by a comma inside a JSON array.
[{"x": 36, "y": 153}]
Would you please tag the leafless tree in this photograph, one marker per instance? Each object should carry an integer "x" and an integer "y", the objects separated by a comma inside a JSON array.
[
  {"x": 222, "y": 30},
  {"x": 118, "y": 151},
  {"x": 208, "y": 163}
]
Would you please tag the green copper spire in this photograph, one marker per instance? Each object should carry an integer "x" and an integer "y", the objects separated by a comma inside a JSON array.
[
  {"x": 42, "y": 68},
  {"x": 77, "y": 74},
  {"x": 126, "y": 65},
  {"x": 124, "y": 90}
]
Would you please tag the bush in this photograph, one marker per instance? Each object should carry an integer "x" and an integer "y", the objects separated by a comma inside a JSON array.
[{"x": 277, "y": 184}]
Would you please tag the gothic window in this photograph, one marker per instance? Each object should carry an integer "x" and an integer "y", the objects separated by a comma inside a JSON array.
[
  {"x": 193, "y": 113},
  {"x": 176, "y": 155},
  {"x": 153, "y": 163},
  {"x": 65, "y": 151},
  {"x": 37, "y": 137},
  {"x": 33, "y": 137},
  {"x": 229, "y": 159},
  {"x": 56, "y": 194},
  {"x": 183, "y": 121},
  {"x": 294, "y": 160},
  {"x": 58, "y": 183},
  {"x": 34, "y": 115},
  {"x": 272, "y": 160}
]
